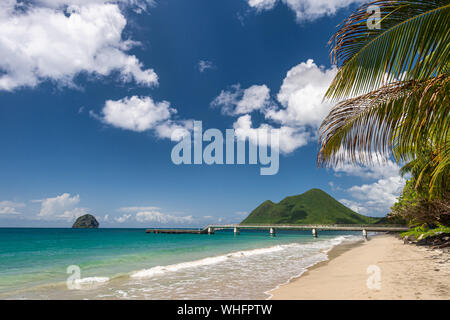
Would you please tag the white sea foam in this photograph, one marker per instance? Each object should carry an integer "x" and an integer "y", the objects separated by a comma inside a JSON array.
[
  {"x": 324, "y": 246},
  {"x": 227, "y": 276},
  {"x": 91, "y": 280},
  {"x": 159, "y": 270},
  {"x": 147, "y": 273}
]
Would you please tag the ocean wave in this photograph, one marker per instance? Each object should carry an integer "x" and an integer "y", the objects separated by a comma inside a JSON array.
[
  {"x": 322, "y": 245},
  {"x": 159, "y": 270},
  {"x": 91, "y": 280}
]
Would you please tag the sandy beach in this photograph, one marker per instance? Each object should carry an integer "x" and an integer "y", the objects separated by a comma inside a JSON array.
[{"x": 396, "y": 271}]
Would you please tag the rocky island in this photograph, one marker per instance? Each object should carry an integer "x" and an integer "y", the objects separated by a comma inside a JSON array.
[{"x": 87, "y": 221}]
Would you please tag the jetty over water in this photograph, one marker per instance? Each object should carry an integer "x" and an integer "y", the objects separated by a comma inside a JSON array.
[
  {"x": 315, "y": 228},
  {"x": 179, "y": 231}
]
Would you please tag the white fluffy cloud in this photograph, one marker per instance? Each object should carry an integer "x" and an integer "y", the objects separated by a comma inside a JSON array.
[
  {"x": 306, "y": 10},
  {"x": 262, "y": 4},
  {"x": 301, "y": 96},
  {"x": 298, "y": 113},
  {"x": 10, "y": 207},
  {"x": 238, "y": 101},
  {"x": 151, "y": 214},
  {"x": 123, "y": 218},
  {"x": 357, "y": 207},
  {"x": 136, "y": 4},
  {"x": 62, "y": 206},
  {"x": 162, "y": 218},
  {"x": 174, "y": 130},
  {"x": 376, "y": 198},
  {"x": 154, "y": 214},
  {"x": 289, "y": 138},
  {"x": 40, "y": 43},
  {"x": 134, "y": 209},
  {"x": 136, "y": 113},
  {"x": 204, "y": 65},
  {"x": 254, "y": 98},
  {"x": 378, "y": 166},
  {"x": 377, "y": 170},
  {"x": 142, "y": 114}
]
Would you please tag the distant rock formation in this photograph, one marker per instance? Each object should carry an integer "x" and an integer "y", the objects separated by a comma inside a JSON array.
[{"x": 86, "y": 221}]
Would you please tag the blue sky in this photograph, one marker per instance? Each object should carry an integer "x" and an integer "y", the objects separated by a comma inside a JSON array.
[{"x": 90, "y": 92}]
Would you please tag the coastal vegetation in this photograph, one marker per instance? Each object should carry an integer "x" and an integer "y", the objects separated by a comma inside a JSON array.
[
  {"x": 392, "y": 101},
  {"x": 424, "y": 231},
  {"x": 312, "y": 207}
]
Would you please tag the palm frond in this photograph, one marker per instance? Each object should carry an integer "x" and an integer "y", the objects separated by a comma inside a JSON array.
[
  {"x": 405, "y": 116},
  {"x": 412, "y": 44},
  {"x": 439, "y": 184}
]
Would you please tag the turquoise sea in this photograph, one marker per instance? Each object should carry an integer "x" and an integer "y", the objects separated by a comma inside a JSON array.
[{"x": 35, "y": 263}]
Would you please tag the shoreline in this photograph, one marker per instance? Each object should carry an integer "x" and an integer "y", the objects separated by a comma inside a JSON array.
[
  {"x": 405, "y": 272},
  {"x": 302, "y": 254},
  {"x": 334, "y": 252}
]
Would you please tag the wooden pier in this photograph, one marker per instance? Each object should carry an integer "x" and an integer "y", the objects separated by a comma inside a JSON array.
[
  {"x": 315, "y": 228},
  {"x": 177, "y": 231}
]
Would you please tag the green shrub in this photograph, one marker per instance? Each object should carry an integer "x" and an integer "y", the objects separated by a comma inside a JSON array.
[{"x": 426, "y": 231}]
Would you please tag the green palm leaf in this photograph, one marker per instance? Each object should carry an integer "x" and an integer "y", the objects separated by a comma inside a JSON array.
[
  {"x": 396, "y": 84},
  {"x": 405, "y": 48},
  {"x": 404, "y": 114}
]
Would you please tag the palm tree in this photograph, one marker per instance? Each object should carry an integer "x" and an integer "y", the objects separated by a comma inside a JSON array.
[{"x": 392, "y": 88}]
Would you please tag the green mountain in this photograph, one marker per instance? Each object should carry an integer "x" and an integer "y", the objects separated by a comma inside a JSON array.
[{"x": 312, "y": 207}]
